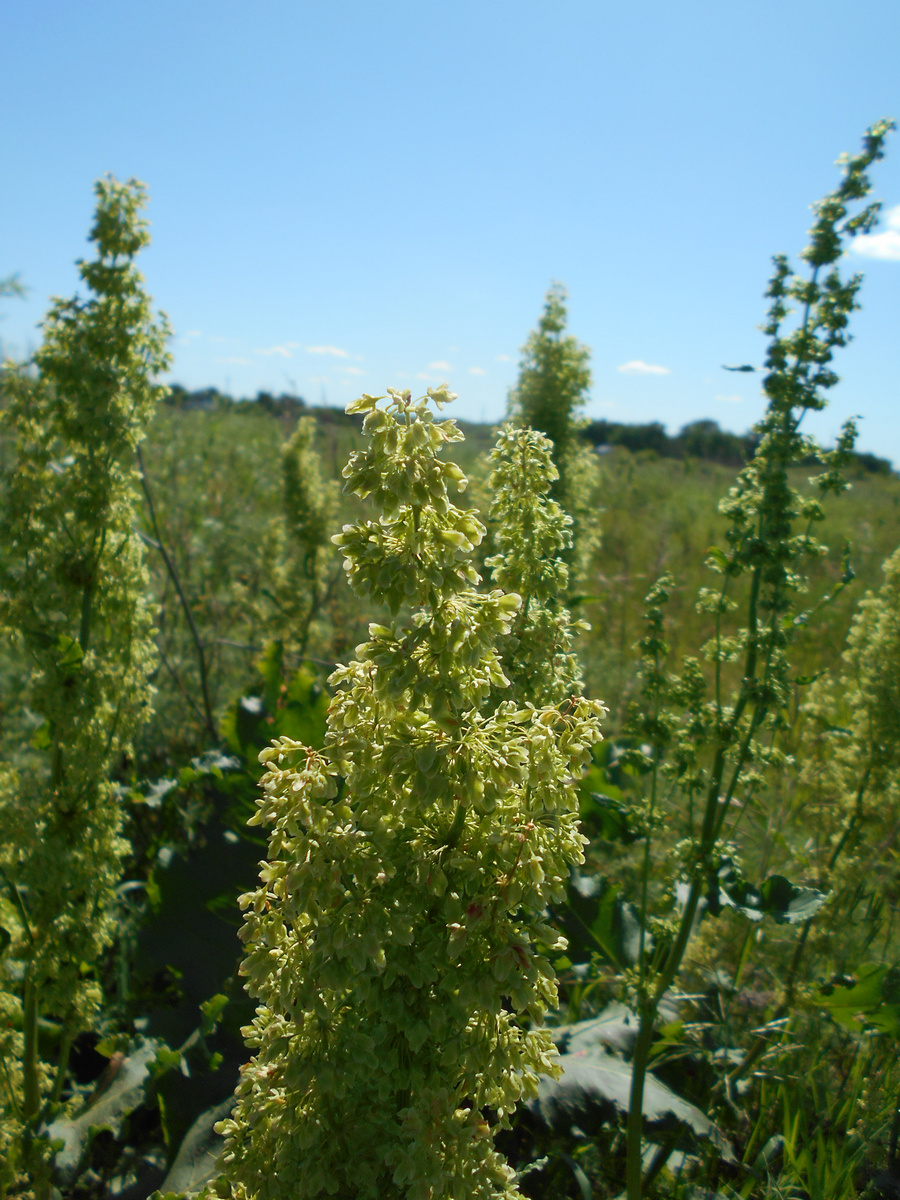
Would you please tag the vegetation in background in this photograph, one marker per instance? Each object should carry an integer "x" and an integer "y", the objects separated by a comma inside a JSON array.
[
  {"x": 702, "y": 440},
  {"x": 303, "y": 568},
  {"x": 549, "y": 397},
  {"x": 532, "y": 533},
  {"x": 712, "y": 736},
  {"x": 748, "y": 772}
]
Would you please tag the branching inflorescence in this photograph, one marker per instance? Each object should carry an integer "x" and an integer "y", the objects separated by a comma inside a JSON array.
[
  {"x": 72, "y": 601},
  {"x": 397, "y": 942},
  {"x": 719, "y": 739}
]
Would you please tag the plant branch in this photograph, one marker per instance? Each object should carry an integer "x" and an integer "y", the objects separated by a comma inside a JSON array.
[{"x": 186, "y": 608}]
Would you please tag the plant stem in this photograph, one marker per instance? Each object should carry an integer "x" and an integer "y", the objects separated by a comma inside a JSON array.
[
  {"x": 31, "y": 1007},
  {"x": 634, "y": 1133},
  {"x": 794, "y": 968},
  {"x": 709, "y": 831},
  {"x": 173, "y": 575}
]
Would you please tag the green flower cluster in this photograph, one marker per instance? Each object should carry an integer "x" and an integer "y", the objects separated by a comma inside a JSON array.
[
  {"x": 852, "y": 761},
  {"x": 714, "y": 734},
  {"x": 72, "y": 603},
  {"x": 397, "y": 942},
  {"x": 550, "y": 396},
  {"x": 533, "y": 535},
  {"x": 301, "y": 567}
]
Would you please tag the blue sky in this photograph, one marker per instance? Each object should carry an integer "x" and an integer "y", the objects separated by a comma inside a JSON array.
[{"x": 349, "y": 196}]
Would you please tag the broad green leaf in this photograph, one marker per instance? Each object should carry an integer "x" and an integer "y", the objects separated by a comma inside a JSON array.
[
  {"x": 616, "y": 1027},
  {"x": 69, "y": 651},
  {"x": 595, "y": 1090},
  {"x": 871, "y": 999},
  {"x": 608, "y": 817}
]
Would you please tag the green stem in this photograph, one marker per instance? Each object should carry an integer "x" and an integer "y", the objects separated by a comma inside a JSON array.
[
  {"x": 854, "y": 820},
  {"x": 634, "y": 1133},
  {"x": 794, "y": 968},
  {"x": 456, "y": 828},
  {"x": 645, "y": 866},
  {"x": 31, "y": 1006},
  {"x": 16, "y": 897},
  {"x": 62, "y": 1069},
  {"x": 672, "y": 961},
  {"x": 186, "y": 608}
]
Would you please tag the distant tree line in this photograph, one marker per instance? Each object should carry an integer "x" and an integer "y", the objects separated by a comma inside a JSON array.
[
  {"x": 698, "y": 439},
  {"x": 285, "y": 405}
]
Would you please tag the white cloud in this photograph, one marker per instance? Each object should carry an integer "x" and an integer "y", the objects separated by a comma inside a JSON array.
[
  {"x": 284, "y": 351},
  {"x": 215, "y": 338},
  {"x": 352, "y": 370},
  {"x": 729, "y": 399},
  {"x": 241, "y": 362},
  {"x": 477, "y": 371},
  {"x": 440, "y": 365},
  {"x": 637, "y": 367},
  {"x": 886, "y": 244},
  {"x": 503, "y": 358},
  {"x": 334, "y": 351}
]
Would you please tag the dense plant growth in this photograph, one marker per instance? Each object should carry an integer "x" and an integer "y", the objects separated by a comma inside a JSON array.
[
  {"x": 550, "y": 396},
  {"x": 73, "y": 602},
  {"x": 488, "y": 953}
]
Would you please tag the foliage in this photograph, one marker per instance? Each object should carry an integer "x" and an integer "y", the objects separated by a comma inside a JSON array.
[
  {"x": 222, "y": 514},
  {"x": 852, "y": 746},
  {"x": 710, "y": 749},
  {"x": 710, "y": 742},
  {"x": 73, "y": 601},
  {"x": 742, "y": 813},
  {"x": 549, "y": 397},
  {"x": 532, "y": 533},
  {"x": 702, "y": 440},
  {"x": 422, "y": 844},
  {"x": 301, "y": 576}
]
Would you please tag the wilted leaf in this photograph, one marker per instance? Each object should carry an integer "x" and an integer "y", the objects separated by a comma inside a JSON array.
[
  {"x": 788, "y": 904},
  {"x": 124, "y": 1093}
]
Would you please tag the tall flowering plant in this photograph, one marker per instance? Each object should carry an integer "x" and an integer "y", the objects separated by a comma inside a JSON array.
[{"x": 397, "y": 941}]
